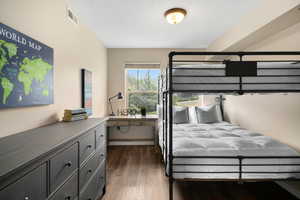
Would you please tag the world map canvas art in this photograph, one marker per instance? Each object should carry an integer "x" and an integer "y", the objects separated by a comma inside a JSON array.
[{"x": 26, "y": 70}]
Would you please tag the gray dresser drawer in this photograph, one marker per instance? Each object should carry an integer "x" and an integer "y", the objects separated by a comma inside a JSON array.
[
  {"x": 88, "y": 170},
  {"x": 32, "y": 186},
  {"x": 62, "y": 166},
  {"x": 95, "y": 186},
  {"x": 101, "y": 153},
  {"x": 68, "y": 191},
  {"x": 101, "y": 177},
  {"x": 100, "y": 135},
  {"x": 90, "y": 167},
  {"x": 87, "y": 145},
  {"x": 90, "y": 192}
]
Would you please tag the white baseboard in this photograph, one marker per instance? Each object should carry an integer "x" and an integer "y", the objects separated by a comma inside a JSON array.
[
  {"x": 291, "y": 186},
  {"x": 128, "y": 143}
]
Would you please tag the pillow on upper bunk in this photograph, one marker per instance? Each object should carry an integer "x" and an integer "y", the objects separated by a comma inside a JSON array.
[
  {"x": 192, "y": 115},
  {"x": 218, "y": 110},
  {"x": 207, "y": 114},
  {"x": 181, "y": 115}
]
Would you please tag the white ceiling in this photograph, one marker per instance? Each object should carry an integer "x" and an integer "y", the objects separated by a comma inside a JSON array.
[{"x": 141, "y": 23}]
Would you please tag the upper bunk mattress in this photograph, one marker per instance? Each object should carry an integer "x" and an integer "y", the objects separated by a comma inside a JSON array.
[
  {"x": 270, "y": 76},
  {"x": 225, "y": 139}
]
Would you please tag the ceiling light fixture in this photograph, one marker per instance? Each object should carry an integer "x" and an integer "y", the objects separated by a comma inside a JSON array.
[{"x": 175, "y": 15}]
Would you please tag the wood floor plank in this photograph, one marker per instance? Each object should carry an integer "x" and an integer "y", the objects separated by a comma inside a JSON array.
[{"x": 137, "y": 173}]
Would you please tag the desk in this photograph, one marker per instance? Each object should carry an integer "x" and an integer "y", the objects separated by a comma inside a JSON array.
[{"x": 149, "y": 120}]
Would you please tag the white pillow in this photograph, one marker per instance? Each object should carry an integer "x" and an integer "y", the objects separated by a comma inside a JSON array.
[
  {"x": 181, "y": 115},
  {"x": 219, "y": 113},
  {"x": 207, "y": 114},
  {"x": 193, "y": 115},
  {"x": 218, "y": 109}
]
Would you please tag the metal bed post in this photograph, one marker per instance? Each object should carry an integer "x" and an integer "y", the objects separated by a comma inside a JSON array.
[
  {"x": 163, "y": 123},
  {"x": 170, "y": 96},
  {"x": 166, "y": 121},
  {"x": 166, "y": 132},
  {"x": 240, "y": 169},
  {"x": 241, "y": 78},
  {"x": 221, "y": 102}
]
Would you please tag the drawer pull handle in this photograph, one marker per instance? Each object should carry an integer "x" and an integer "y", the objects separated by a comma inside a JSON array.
[
  {"x": 26, "y": 198},
  {"x": 101, "y": 135},
  {"x": 69, "y": 164},
  {"x": 89, "y": 171},
  {"x": 89, "y": 146},
  {"x": 68, "y": 198},
  {"x": 102, "y": 155}
]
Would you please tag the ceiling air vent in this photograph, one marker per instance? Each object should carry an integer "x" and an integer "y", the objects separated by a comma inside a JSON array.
[{"x": 72, "y": 16}]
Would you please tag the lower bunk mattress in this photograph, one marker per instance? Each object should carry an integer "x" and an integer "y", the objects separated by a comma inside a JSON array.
[{"x": 225, "y": 139}]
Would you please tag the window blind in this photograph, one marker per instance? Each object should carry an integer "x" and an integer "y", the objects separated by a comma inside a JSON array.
[{"x": 142, "y": 65}]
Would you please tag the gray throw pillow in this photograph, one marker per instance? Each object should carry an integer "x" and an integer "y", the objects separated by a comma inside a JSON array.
[
  {"x": 181, "y": 115},
  {"x": 207, "y": 115}
]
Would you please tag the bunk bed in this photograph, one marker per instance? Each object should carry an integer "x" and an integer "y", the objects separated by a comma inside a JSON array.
[{"x": 223, "y": 151}]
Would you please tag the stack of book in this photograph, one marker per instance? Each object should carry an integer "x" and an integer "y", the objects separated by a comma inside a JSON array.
[{"x": 75, "y": 115}]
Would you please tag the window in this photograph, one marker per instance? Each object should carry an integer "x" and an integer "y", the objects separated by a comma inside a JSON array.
[
  {"x": 142, "y": 88},
  {"x": 186, "y": 99}
]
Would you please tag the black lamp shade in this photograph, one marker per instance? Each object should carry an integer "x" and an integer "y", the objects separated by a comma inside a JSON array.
[{"x": 120, "y": 96}]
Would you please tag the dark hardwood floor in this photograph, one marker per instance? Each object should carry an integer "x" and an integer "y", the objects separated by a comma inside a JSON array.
[{"x": 136, "y": 173}]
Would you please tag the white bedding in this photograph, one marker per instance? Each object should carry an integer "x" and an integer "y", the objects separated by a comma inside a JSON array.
[{"x": 225, "y": 139}]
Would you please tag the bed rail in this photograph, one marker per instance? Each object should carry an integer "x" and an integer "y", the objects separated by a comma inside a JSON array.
[
  {"x": 270, "y": 77},
  {"x": 293, "y": 175},
  {"x": 281, "y": 79}
]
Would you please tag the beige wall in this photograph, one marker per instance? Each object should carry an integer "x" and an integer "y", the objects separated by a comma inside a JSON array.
[
  {"x": 75, "y": 47},
  {"x": 274, "y": 115},
  {"x": 269, "y": 18}
]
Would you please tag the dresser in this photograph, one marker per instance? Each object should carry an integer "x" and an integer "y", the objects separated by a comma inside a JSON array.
[{"x": 63, "y": 161}]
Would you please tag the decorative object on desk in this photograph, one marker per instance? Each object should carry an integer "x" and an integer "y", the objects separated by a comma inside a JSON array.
[
  {"x": 122, "y": 112},
  {"x": 75, "y": 115},
  {"x": 26, "y": 70},
  {"x": 132, "y": 112},
  {"x": 126, "y": 112},
  {"x": 87, "y": 94},
  {"x": 117, "y": 96},
  {"x": 143, "y": 111}
]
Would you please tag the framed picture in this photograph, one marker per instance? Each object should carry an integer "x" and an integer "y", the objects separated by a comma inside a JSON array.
[
  {"x": 26, "y": 70},
  {"x": 87, "y": 100}
]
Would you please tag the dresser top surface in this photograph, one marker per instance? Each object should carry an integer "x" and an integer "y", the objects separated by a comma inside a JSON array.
[{"x": 22, "y": 148}]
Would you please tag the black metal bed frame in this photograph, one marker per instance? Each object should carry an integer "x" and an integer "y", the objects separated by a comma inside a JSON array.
[{"x": 167, "y": 100}]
